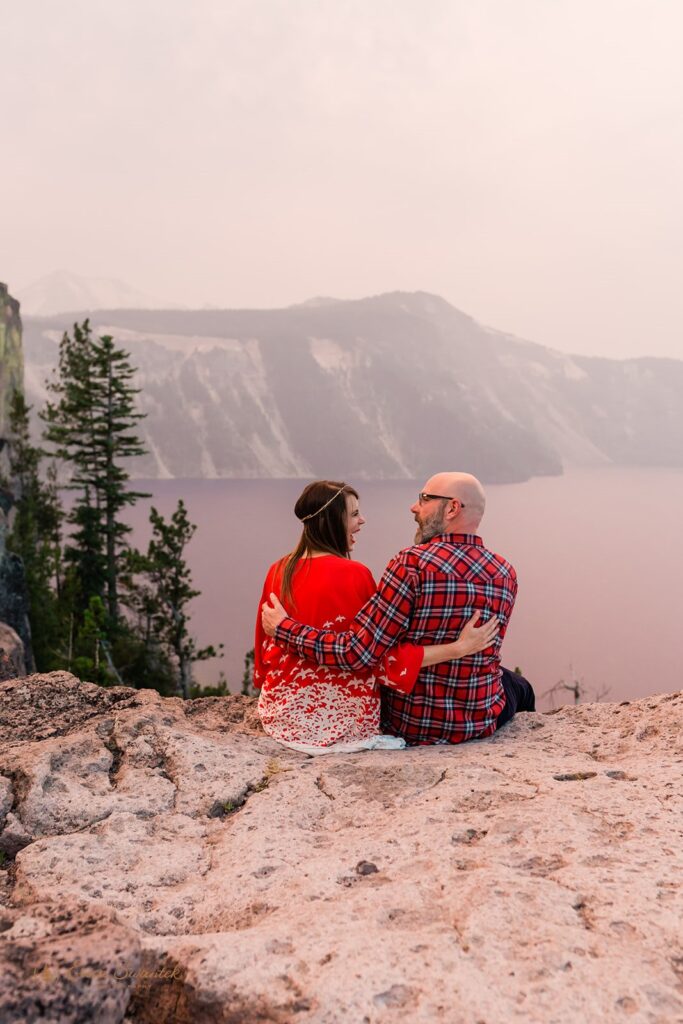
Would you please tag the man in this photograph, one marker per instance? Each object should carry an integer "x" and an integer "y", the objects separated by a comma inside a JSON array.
[{"x": 425, "y": 596}]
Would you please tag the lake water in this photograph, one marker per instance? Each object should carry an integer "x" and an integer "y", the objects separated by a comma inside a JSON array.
[{"x": 599, "y": 555}]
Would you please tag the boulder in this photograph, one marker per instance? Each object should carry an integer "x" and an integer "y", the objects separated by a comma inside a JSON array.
[
  {"x": 66, "y": 961},
  {"x": 14, "y": 599},
  {"x": 532, "y": 876}
]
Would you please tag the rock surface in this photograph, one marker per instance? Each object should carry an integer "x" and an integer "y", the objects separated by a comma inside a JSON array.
[
  {"x": 194, "y": 870},
  {"x": 13, "y": 594},
  {"x": 11, "y": 354},
  {"x": 12, "y": 660}
]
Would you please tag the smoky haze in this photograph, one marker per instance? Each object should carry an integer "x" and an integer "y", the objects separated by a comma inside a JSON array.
[{"x": 523, "y": 160}]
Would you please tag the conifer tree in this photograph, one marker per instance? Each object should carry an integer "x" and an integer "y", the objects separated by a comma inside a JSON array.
[
  {"x": 91, "y": 424},
  {"x": 35, "y": 535},
  {"x": 90, "y": 659},
  {"x": 165, "y": 592},
  {"x": 248, "y": 674}
]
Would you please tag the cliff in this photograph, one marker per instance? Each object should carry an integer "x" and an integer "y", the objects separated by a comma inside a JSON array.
[
  {"x": 378, "y": 388},
  {"x": 11, "y": 354},
  {"x": 166, "y": 861},
  {"x": 13, "y": 595}
]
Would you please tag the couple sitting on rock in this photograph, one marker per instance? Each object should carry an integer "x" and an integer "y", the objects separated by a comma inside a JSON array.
[{"x": 378, "y": 666}]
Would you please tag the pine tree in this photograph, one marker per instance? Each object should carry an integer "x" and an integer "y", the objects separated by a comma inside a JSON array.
[
  {"x": 89, "y": 660},
  {"x": 163, "y": 594},
  {"x": 91, "y": 424},
  {"x": 35, "y": 536},
  {"x": 248, "y": 674}
]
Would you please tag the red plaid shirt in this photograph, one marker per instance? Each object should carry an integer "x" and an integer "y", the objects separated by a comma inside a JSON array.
[{"x": 425, "y": 596}]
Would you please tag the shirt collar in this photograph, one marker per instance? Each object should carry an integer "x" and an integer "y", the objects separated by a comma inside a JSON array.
[{"x": 461, "y": 539}]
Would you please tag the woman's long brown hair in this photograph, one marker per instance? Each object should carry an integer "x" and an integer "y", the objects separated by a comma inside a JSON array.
[{"x": 325, "y": 530}]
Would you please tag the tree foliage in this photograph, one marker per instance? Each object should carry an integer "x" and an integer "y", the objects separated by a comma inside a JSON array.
[
  {"x": 91, "y": 424},
  {"x": 160, "y": 591},
  {"x": 98, "y": 607},
  {"x": 35, "y": 533},
  {"x": 248, "y": 674}
]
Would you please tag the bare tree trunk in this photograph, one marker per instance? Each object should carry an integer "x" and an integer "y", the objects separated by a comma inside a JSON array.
[{"x": 185, "y": 676}]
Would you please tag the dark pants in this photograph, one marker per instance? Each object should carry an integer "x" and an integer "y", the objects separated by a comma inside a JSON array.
[{"x": 519, "y": 696}]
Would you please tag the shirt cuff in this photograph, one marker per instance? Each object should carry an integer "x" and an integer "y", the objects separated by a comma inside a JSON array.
[{"x": 285, "y": 631}]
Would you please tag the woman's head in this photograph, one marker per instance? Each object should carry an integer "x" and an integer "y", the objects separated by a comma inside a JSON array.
[
  {"x": 330, "y": 515},
  {"x": 323, "y": 508}
]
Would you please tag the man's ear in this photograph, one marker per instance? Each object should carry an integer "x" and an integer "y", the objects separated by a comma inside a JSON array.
[{"x": 453, "y": 509}]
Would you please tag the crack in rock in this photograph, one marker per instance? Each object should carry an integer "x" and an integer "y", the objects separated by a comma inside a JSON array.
[
  {"x": 433, "y": 785},
  {"x": 8, "y": 882},
  {"x": 166, "y": 765},
  {"x": 13, "y": 834},
  {"x": 584, "y": 911},
  {"x": 226, "y": 808},
  {"x": 116, "y": 755},
  {"x": 320, "y": 785}
]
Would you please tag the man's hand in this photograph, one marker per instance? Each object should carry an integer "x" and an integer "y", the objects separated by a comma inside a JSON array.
[{"x": 271, "y": 617}]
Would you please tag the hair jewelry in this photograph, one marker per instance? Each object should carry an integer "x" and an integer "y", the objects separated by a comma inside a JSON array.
[{"x": 323, "y": 507}]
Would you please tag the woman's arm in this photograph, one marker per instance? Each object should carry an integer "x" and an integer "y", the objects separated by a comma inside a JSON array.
[
  {"x": 472, "y": 639},
  {"x": 401, "y": 665},
  {"x": 261, "y": 638}
]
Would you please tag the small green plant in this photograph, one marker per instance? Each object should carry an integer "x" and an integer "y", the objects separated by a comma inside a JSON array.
[{"x": 221, "y": 689}]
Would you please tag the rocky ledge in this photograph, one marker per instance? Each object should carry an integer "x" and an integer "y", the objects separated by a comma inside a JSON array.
[{"x": 165, "y": 861}]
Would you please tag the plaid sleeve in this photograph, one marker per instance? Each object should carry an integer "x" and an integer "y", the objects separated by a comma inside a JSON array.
[{"x": 377, "y": 627}]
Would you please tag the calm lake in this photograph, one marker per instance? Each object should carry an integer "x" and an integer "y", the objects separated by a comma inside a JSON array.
[{"x": 599, "y": 556}]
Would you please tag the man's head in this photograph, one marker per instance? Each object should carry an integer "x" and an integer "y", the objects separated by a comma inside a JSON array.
[{"x": 449, "y": 503}]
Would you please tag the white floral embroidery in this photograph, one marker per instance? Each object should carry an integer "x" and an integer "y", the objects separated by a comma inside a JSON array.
[{"x": 320, "y": 713}]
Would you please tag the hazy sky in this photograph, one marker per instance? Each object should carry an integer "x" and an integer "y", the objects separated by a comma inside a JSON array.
[{"x": 521, "y": 158}]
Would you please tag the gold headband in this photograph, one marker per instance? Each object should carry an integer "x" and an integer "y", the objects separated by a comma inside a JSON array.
[{"x": 322, "y": 509}]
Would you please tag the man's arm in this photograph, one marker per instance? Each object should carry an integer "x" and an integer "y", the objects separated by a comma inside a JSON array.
[{"x": 378, "y": 626}]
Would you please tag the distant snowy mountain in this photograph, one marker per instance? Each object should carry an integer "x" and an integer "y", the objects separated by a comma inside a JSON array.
[
  {"x": 393, "y": 386},
  {"x": 317, "y": 300},
  {"x": 63, "y": 292}
]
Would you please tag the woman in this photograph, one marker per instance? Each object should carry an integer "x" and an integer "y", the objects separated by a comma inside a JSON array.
[{"x": 320, "y": 709}]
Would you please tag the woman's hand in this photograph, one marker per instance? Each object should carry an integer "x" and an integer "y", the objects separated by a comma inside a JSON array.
[
  {"x": 472, "y": 638},
  {"x": 475, "y": 638},
  {"x": 271, "y": 617}
]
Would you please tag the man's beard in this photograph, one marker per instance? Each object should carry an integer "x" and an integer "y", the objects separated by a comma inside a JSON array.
[{"x": 431, "y": 527}]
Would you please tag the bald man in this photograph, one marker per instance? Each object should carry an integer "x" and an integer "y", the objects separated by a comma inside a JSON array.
[{"x": 427, "y": 593}]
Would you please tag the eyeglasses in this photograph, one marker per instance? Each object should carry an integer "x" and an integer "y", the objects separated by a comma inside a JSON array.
[{"x": 423, "y": 497}]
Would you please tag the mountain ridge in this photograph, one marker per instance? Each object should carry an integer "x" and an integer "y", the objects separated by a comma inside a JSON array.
[
  {"x": 383, "y": 387},
  {"x": 62, "y": 291}
]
